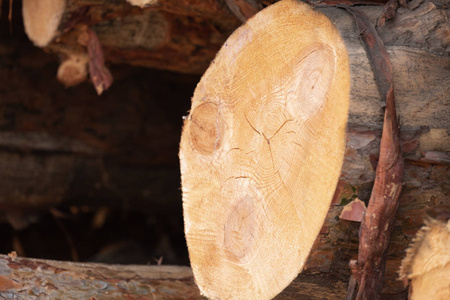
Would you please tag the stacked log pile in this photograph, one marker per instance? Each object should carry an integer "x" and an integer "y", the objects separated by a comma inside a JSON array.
[{"x": 67, "y": 146}]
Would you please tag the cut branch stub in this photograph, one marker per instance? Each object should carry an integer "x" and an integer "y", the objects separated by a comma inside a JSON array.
[
  {"x": 41, "y": 19},
  {"x": 261, "y": 151},
  {"x": 206, "y": 128},
  {"x": 73, "y": 70}
]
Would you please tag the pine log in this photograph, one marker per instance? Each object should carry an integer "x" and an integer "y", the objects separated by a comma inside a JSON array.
[
  {"x": 22, "y": 278},
  {"x": 416, "y": 39},
  {"x": 185, "y": 38},
  {"x": 261, "y": 151},
  {"x": 41, "y": 19},
  {"x": 427, "y": 263},
  {"x": 26, "y": 278}
]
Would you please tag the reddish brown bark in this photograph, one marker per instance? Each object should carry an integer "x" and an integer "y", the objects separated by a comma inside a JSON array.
[
  {"x": 378, "y": 222},
  {"x": 100, "y": 75},
  {"x": 244, "y": 9}
]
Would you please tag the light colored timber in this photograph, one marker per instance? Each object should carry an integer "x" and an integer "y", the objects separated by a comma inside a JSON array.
[
  {"x": 261, "y": 151},
  {"x": 427, "y": 262},
  {"x": 73, "y": 70},
  {"x": 41, "y": 19}
]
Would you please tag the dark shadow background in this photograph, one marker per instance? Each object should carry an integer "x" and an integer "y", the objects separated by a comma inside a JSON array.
[{"x": 121, "y": 202}]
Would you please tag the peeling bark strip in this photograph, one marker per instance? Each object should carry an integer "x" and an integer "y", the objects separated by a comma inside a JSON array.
[
  {"x": 377, "y": 225},
  {"x": 100, "y": 75},
  {"x": 390, "y": 10},
  {"x": 244, "y": 9}
]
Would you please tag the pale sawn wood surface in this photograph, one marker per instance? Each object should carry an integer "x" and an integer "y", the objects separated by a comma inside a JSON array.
[
  {"x": 427, "y": 263},
  {"x": 261, "y": 151}
]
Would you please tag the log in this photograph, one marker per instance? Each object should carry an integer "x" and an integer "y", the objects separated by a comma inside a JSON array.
[
  {"x": 427, "y": 263},
  {"x": 26, "y": 278},
  {"x": 36, "y": 279},
  {"x": 141, "y": 37},
  {"x": 41, "y": 19},
  {"x": 170, "y": 35},
  {"x": 261, "y": 151},
  {"x": 416, "y": 39}
]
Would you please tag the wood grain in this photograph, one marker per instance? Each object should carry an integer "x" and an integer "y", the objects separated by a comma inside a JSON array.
[{"x": 261, "y": 151}]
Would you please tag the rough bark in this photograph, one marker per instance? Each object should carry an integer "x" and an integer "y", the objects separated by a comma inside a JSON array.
[
  {"x": 180, "y": 36},
  {"x": 185, "y": 38},
  {"x": 37, "y": 278},
  {"x": 377, "y": 224}
]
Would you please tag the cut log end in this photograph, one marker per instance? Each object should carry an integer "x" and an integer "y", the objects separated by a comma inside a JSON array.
[
  {"x": 427, "y": 263},
  {"x": 143, "y": 3},
  {"x": 73, "y": 70},
  {"x": 261, "y": 151},
  {"x": 41, "y": 19}
]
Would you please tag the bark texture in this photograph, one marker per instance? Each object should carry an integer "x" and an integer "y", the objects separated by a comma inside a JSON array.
[
  {"x": 56, "y": 143},
  {"x": 37, "y": 279},
  {"x": 377, "y": 224}
]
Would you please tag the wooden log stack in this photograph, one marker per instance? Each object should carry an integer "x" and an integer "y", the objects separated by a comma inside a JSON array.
[{"x": 56, "y": 148}]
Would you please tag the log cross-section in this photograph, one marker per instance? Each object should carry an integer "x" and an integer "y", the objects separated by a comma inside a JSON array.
[
  {"x": 427, "y": 261},
  {"x": 261, "y": 151}
]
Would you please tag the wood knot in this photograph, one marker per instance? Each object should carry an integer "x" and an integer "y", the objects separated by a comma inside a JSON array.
[
  {"x": 241, "y": 230},
  {"x": 313, "y": 75},
  {"x": 207, "y": 128}
]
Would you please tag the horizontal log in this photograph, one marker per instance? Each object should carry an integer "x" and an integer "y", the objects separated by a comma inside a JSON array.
[
  {"x": 68, "y": 134},
  {"x": 420, "y": 68},
  {"x": 185, "y": 39},
  {"x": 38, "y": 278}
]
